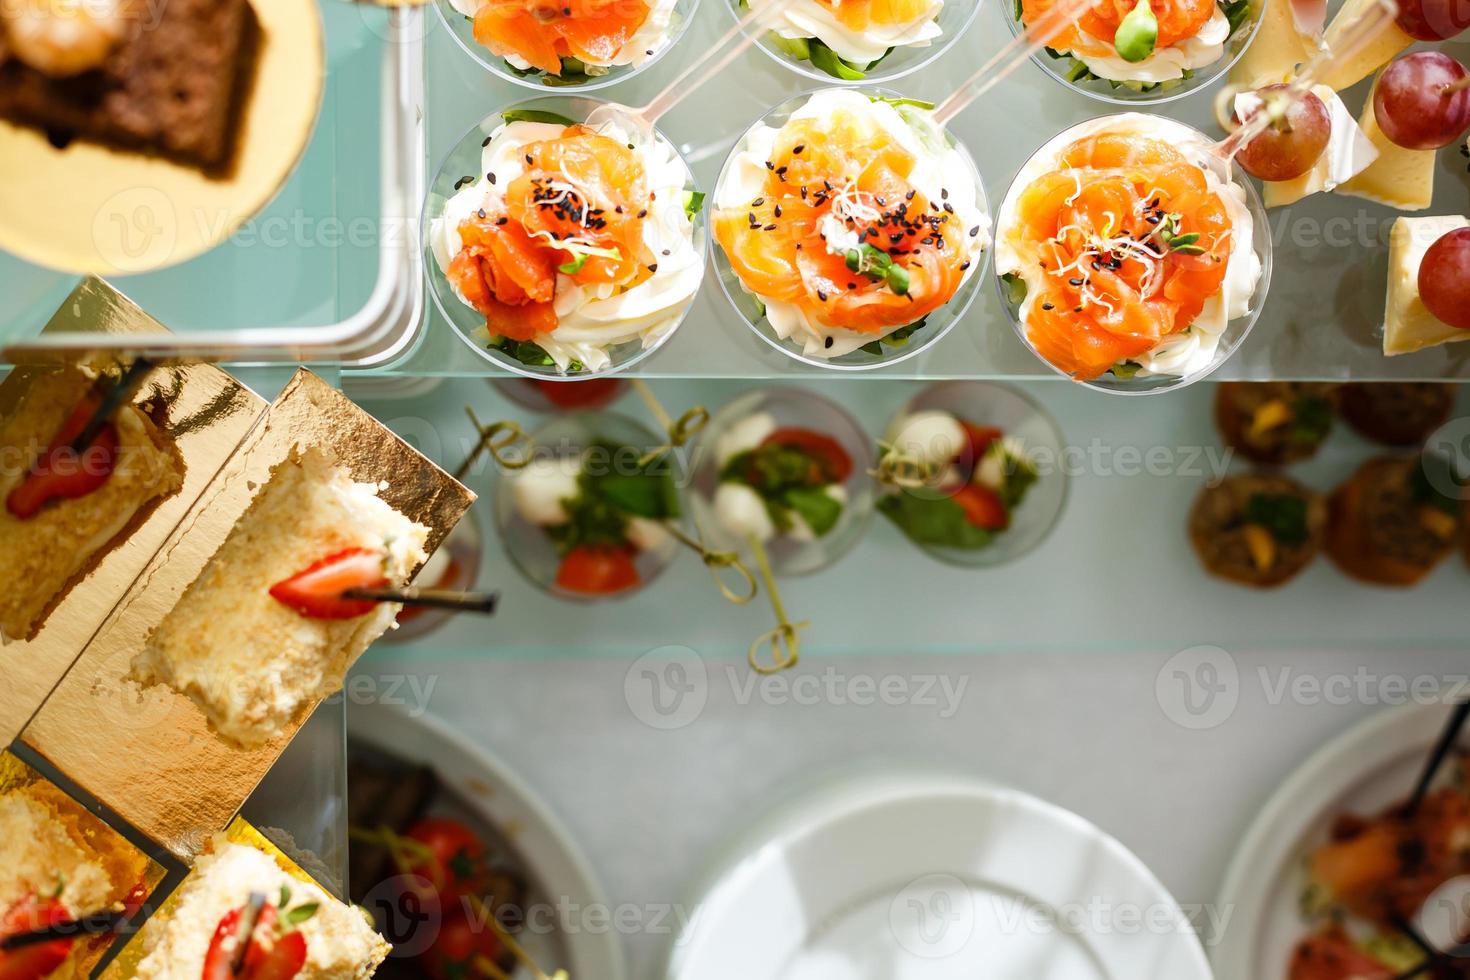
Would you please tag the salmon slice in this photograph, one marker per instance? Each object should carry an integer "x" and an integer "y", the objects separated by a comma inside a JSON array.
[
  {"x": 1114, "y": 288},
  {"x": 542, "y": 32},
  {"x": 578, "y": 191},
  {"x": 843, "y": 167},
  {"x": 1095, "y": 30}
]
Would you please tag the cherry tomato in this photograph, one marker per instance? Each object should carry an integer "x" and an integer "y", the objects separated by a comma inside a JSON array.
[
  {"x": 598, "y": 571},
  {"x": 979, "y": 437},
  {"x": 982, "y": 507},
  {"x": 457, "y": 864},
  {"x": 588, "y": 393},
  {"x": 460, "y": 940},
  {"x": 834, "y": 461}
]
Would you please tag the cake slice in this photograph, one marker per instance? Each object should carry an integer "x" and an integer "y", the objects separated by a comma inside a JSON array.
[
  {"x": 159, "y": 76},
  {"x": 56, "y": 865},
  {"x": 49, "y": 547},
  {"x": 298, "y": 925},
  {"x": 253, "y": 662}
]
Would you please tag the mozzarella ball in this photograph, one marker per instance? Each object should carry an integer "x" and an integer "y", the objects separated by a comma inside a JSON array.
[
  {"x": 743, "y": 436},
  {"x": 650, "y": 536},
  {"x": 933, "y": 438},
  {"x": 541, "y": 488},
  {"x": 742, "y": 512}
]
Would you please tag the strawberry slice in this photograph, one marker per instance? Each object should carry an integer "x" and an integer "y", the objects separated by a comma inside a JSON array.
[
  {"x": 43, "y": 959},
  {"x": 282, "y": 960},
  {"x": 316, "y": 592},
  {"x": 598, "y": 571},
  {"x": 267, "y": 957},
  {"x": 60, "y": 473},
  {"x": 983, "y": 508}
]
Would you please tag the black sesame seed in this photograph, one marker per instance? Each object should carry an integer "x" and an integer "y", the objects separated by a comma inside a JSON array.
[
  {"x": 821, "y": 296},
  {"x": 529, "y": 158},
  {"x": 909, "y": 196},
  {"x": 778, "y": 211},
  {"x": 798, "y": 148},
  {"x": 1047, "y": 306},
  {"x": 643, "y": 213},
  {"x": 828, "y": 342},
  {"x": 653, "y": 268},
  {"x": 757, "y": 202},
  {"x": 485, "y": 141},
  {"x": 965, "y": 266},
  {"x": 944, "y": 193},
  {"x": 1074, "y": 282},
  {"x": 667, "y": 252},
  {"x": 481, "y": 212},
  {"x": 770, "y": 227},
  {"x": 501, "y": 220}
]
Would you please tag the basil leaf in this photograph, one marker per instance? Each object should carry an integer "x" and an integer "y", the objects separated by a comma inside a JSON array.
[
  {"x": 934, "y": 521},
  {"x": 1282, "y": 514},
  {"x": 693, "y": 203},
  {"x": 815, "y": 506},
  {"x": 300, "y": 914},
  {"x": 826, "y": 59},
  {"x": 537, "y": 116}
]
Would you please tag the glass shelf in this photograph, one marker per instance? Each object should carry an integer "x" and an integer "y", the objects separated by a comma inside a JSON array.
[
  {"x": 1118, "y": 571},
  {"x": 1322, "y": 320}
]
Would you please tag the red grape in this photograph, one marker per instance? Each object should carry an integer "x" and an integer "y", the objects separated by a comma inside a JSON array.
[
  {"x": 1433, "y": 20},
  {"x": 1293, "y": 144},
  {"x": 1444, "y": 279},
  {"x": 1412, "y": 105}
]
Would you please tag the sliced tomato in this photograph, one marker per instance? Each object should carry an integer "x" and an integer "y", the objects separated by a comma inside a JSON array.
[
  {"x": 983, "y": 508},
  {"x": 828, "y": 453},
  {"x": 980, "y": 438},
  {"x": 456, "y": 861},
  {"x": 316, "y": 591},
  {"x": 459, "y": 942},
  {"x": 598, "y": 571},
  {"x": 42, "y": 959},
  {"x": 588, "y": 393},
  {"x": 60, "y": 473}
]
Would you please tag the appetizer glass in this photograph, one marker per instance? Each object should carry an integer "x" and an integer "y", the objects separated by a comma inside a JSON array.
[
  {"x": 461, "y": 28},
  {"x": 529, "y": 546},
  {"x": 464, "y": 547},
  {"x": 1235, "y": 331},
  {"x": 1245, "y": 19},
  {"x": 936, "y": 325},
  {"x": 548, "y": 397},
  {"x": 790, "y": 407},
  {"x": 954, "y": 19},
  {"x": 462, "y": 163},
  {"x": 1017, "y": 415}
]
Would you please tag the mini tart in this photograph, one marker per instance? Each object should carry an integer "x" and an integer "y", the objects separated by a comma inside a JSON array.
[
  {"x": 1397, "y": 413},
  {"x": 1234, "y": 548},
  {"x": 1275, "y": 422},
  {"x": 340, "y": 945},
  {"x": 249, "y": 662},
  {"x": 49, "y": 553},
  {"x": 1380, "y": 533}
]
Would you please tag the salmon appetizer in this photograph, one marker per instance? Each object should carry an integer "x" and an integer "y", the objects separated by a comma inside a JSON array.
[
  {"x": 1142, "y": 45},
  {"x": 1126, "y": 249},
  {"x": 571, "y": 42},
  {"x": 851, "y": 223},
  {"x": 571, "y": 242},
  {"x": 847, "y": 39}
]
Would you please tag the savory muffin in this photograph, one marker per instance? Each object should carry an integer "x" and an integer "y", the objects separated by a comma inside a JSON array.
[
  {"x": 1395, "y": 519},
  {"x": 1397, "y": 413},
  {"x": 52, "y": 540},
  {"x": 57, "y": 863},
  {"x": 1257, "y": 529},
  {"x": 300, "y": 930},
  {"x": 248, "y": 659},
  {"x": 1275, "y": 422}
]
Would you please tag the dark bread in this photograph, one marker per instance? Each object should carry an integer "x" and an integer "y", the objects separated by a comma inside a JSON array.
[{"x": 174, "y": 86}]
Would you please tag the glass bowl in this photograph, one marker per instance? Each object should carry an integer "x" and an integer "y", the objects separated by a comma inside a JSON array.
[
  {"x": 789, "y": 407},
  {"x": 1072, "y": 73},
  {"x": 538, "y": 395},
  {"x": 954, "y": 19},
  {"x": 461, "y": 28},
  {"x": 530, "y": 547},
  {"x": 1009, "y": 409},
  {"x": 1235, "y": 330},
  {"x": 878, "y": 353},
  {"x": 463, "y": 549},
  {"x": 462, "y": 166}
]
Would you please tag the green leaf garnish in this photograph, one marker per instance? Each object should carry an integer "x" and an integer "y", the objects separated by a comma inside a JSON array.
[
  {"x": 575, "y": 266},
  {"x": 825, "y": 59},
  {"x": 537, "y": 116},
  {"x": 817, "y": 508},
  {"x": 300, "y": 914},
  {"x": 1126, "y": 370},
  {"x": 693, "y": 203},
  {"x": 934, "y": 521},
  {"x": 1137, "y": 34},
  {"x": 1282, "y": 514},
  {"x": 285, "y": 899},
  {"x": 1311, "y": 421},
  {"x": 896, "y": 101},
  {"x": 1015, "y": 288},
  {"x": 1434, "y": 483}
]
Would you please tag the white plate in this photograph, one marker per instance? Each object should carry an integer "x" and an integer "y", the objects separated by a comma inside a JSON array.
[
  {"x": 928, "y": 877},
  {"x": 1363, "y": 770},
  {"x": 551, "y": 861}
]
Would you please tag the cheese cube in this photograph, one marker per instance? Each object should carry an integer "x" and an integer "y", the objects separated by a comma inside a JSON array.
[
  {"x": 1408, "y": 324},
  {"x": 1400, "y": 178},
  {"x": 1382, "y": 49},
  {"x": 1279, "y": 47}
]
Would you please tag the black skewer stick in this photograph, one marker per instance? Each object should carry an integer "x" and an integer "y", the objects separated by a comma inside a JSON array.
[
  {"x": 1446, "y": 744},
  {"x": 475, "y": 602},
  {"x": 248, "y": 921},
  {"x": 111, "y": 402},
  {"x": 1431, "y": 955},
  {"x": 96, "y": 924}
]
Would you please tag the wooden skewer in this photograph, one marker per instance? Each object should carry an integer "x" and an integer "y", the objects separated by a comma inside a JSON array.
[{"x": 475, "y": 602}]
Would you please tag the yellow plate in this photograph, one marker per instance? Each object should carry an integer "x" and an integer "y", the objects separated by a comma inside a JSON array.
[{"x": 88, "y": 209}]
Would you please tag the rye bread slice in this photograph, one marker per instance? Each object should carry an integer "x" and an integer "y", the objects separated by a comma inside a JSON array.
[{"x": 174, "y": 87}]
